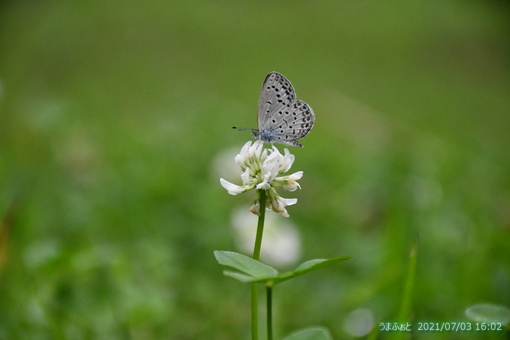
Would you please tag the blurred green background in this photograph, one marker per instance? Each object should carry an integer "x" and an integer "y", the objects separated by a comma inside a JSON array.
[{"x": 112, "y": 114}]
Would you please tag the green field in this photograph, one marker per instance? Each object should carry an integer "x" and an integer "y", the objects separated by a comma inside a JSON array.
[{"x": 114, "y": 116}]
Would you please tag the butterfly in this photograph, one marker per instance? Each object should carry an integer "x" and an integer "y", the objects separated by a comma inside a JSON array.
[{"x": 282, "y": 118}]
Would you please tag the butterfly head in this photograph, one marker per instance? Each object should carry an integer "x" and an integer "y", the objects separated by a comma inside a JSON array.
[{"x": 255, "y": 133}]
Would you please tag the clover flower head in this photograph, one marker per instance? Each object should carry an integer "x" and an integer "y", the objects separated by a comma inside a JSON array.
[{"x": 262, "y": 169}]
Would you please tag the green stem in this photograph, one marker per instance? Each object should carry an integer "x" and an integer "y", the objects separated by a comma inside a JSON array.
[
  {"x": 256, "y": 256},
  {"x": 269, "y": 295},
  {"x": 254, "y": 312},
  {"x": 260, "y": 225}
]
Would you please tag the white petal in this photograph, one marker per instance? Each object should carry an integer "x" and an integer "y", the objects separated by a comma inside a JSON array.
[
  {"x": 284, "y": 213},
  {"x": 291, "y": 186},
  {"x": 255, "y": 208},
  {"x": 297, "y": 175},
  {"x": 275, "y": 150},
  {"x": 287, "y": 161},
  {"x": 245, "y": 176},
  {"x": 263, "y": 157},
  {"x": 288, "y": 182},
  {"x": 271, "y": 164},
  {"x": 243, "y": 155},
  {"x": 239, "y": 160},
  {"x": 245, "y": 148},
  {"x": 256, "y": 149},
  {"x": 270, "y": 167},
  {"x": 273, "y": 157},
  {"x": 231, "y": 188},
  {"x": 289, "y": 201},
  {"x": 278, "y": 204},
  {"x": 265, "y": 183}
]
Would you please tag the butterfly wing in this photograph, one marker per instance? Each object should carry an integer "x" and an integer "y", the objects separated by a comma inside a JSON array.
[
  {"x": 276, "y": 94},
  {"x": 293, "y": 122},
  {"x": 281, "y": 117}
]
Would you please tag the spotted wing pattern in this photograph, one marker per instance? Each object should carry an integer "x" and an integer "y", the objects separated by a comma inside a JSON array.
[{"x": 282, "y": 118}]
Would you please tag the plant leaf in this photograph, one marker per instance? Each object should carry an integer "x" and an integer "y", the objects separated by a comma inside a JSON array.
[
  {"x": 245, "y": 265},
  {"x": 489, "y": 313},
  {"x": 241, "y": 277},
  {"x": 309, "y": 266},
  {"x": 253, "y": 271},
  {"x": 311, "y": 334}
]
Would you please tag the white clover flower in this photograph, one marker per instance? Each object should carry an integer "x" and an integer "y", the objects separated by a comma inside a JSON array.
[
  {"x": 288, "y": 182},
  {"x": 261, "y": 170}
]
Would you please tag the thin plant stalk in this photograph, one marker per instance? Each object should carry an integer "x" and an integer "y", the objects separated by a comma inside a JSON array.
[
  {"x": 254, "y": 312},
  {"x": 260, "y": 225},
  {"x": 256, "y": 256},
  {"x": 269, "y": 295}
]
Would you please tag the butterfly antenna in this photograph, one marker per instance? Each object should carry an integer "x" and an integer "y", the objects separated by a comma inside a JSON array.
[{"x": 241, "y": 128}]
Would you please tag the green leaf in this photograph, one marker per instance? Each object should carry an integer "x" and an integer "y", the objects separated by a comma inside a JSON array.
[
  {"x": 311, "y": 334},
  {"x": 489, "y": 313},
  {"x": 253, "y": 271},
  {"x": 241, "y": 277},
  {"x": 246, "y": 265},
  {"x": 309, "y": 266},
  {"x": 404, "y": 313}
]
